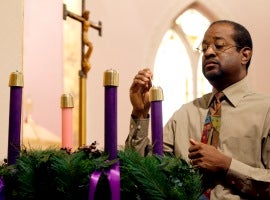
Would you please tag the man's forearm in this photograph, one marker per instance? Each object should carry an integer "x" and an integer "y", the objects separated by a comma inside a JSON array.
[
  {"x": 138, "y": 136},
  {"x": 253, "y": 183}
]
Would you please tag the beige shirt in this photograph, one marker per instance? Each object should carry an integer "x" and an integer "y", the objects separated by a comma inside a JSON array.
[{"x": 244, "y": 136}]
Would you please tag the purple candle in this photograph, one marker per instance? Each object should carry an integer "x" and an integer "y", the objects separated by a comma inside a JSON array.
[
  {"x": 15, "y": 110},
  {"x": 110, "y": 82},
  {"x": 156, "y": 97}
]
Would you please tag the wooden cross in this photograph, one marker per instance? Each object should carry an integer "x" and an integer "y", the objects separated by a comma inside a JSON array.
[
  {"x": 85, "y": 64},
  {"x": 86, "y": 23}
]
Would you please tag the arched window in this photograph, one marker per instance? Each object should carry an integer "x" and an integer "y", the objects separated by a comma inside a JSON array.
[{"x": 177, "y": 67}]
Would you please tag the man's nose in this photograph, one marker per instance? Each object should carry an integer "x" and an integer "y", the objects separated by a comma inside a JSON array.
[{"x": 209, "y": 50}]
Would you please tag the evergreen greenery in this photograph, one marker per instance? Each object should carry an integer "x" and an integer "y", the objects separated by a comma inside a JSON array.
[{"x": 60, "y": 174}]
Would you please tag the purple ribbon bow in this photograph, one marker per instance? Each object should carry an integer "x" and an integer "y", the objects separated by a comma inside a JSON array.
[
  {"x": 113, "y": 176},
  {"x": 2, "y": 192}
]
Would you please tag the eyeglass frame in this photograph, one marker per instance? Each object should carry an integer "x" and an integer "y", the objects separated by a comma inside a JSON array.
[{"x": 221, "y": 48}]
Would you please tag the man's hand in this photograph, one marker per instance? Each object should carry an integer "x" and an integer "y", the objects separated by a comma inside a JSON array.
[
  {"x": 139, "y": 93},
  {"x": 207, "y": 157}
]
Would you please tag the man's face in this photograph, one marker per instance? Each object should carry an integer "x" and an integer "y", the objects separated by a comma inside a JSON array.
[{"x": 221, "y": 61}]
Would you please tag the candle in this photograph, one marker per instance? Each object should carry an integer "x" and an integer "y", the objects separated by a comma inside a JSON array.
[
  {"x": 110, "y": 82},
  {"x": 67, "y": 131},
  {"x": 15, "y": 110},
  {"x": 156, "y": 98}
]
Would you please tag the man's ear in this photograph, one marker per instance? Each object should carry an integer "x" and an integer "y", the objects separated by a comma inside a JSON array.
[{"x": 246, "y": 53}]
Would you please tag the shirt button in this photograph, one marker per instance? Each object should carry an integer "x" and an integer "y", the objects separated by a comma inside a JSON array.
[
  {"x": 139, "y": 127},
  {"x": 131, "y": 126}
]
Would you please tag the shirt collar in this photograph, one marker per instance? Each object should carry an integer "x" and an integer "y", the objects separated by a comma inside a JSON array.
[{"x": 234, "y": 93}]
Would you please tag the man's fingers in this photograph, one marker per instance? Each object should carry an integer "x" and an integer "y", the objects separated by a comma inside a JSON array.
[{"x": 193, "y": 142}]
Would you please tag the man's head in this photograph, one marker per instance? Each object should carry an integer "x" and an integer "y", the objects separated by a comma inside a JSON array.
[
  {"x": 227, "y": 50},
  {"x": 241, "y": 36}
]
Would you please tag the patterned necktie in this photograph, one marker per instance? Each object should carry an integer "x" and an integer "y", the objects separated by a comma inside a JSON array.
[
  {"x": 212, "y": 122},
  {"x": 211, "y": 128}
]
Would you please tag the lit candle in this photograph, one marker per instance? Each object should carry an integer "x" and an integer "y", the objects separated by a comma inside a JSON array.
[
  {"x": 110, "y": 82},
  {"x": 67, "y": 130},
  {"x": 15, "y": 111},
  {"x": 156, "y": 98}
]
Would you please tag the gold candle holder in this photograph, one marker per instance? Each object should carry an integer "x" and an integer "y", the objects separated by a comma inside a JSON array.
[
  {"x": 156, "y": 94},
  {"x": 111, "y": 78},
  {"x": 16, "y": 79},
  {"x": 67, "y": 101}
]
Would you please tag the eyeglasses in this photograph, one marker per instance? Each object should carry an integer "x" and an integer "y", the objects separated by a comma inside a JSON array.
[{"x": 218, "y": 48}]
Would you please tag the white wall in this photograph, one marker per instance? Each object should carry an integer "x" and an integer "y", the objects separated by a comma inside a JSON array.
[{"x": 43, "y": 61}]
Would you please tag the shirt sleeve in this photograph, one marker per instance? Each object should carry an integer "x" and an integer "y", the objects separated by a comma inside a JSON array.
[
  {"x": 138, "y": 136},
  {"x": 254, "y": 182}
]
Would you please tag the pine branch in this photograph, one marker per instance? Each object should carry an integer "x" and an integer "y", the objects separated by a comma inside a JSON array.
[{"x": 60, "y": 174}]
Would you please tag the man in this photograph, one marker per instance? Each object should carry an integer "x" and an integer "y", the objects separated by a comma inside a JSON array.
[{"x": 235, "y": 164}]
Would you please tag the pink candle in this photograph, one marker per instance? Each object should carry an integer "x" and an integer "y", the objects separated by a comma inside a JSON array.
[{"x": 67, "y": 130}]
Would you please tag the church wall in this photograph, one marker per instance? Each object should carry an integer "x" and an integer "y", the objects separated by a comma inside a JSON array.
[{"x": 43, "y": 62}]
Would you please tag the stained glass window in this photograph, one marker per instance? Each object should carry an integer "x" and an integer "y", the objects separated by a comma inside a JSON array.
[{"x": 177, "y": 67}]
